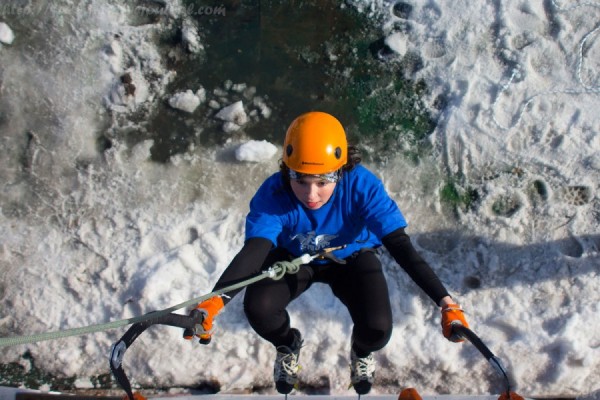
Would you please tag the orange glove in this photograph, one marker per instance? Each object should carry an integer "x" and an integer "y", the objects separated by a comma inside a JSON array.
[
  {"x": 209, "y": 308},
  {"x": 452, "y": 314}
]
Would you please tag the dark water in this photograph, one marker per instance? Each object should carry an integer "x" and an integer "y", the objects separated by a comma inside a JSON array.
[{"x": 299, "y": 56}]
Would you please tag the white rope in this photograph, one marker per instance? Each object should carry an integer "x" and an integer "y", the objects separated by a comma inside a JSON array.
[
  {"x": 275, "y": 272},
  {"x": 586, "y": 89}
]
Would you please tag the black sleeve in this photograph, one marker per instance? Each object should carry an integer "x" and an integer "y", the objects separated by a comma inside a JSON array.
[
  {"x": 246, "y": 264},
  {"x": 400, "y": 247}
]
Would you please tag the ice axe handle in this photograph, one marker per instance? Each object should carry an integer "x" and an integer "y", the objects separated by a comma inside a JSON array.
[
  {"x": 464, "y": 332},
  {"x": 197, "y": 317}
]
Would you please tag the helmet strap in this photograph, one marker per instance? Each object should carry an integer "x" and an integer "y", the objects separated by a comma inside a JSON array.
[{"x": 332, "y": 177}]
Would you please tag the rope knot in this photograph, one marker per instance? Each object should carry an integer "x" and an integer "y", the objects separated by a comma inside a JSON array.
[{"x": 280, "y": 268}]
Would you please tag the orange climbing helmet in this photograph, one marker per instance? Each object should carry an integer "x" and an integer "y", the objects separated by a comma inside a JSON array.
[{"x": 315, "y": 144}]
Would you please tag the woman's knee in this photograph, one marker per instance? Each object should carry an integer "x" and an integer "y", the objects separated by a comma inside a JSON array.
[{"x": 370, "y": 339}]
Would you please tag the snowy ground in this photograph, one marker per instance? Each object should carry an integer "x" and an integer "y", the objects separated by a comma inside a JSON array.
[{"x": 89, "y": 237}]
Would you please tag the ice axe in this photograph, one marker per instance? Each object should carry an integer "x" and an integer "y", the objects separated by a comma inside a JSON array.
[
  {"x": 464, "y": 332},
  {"x": 188, "y": 322}
]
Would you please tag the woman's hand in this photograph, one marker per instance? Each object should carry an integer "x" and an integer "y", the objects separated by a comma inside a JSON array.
[{"x": 452, "y": 314}]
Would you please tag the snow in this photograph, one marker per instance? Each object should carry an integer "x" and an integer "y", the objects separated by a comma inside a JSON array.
[
  {"x": 190, "y": 37},
  {"x": 397, "y": 42},
  {"x": 88, "y": 238},
  {"x": 188, "y": 101},
  {"x": 256, "y": 151},
  {"x": 6, "y": 34},
  {"x": 233, "y": 113}
]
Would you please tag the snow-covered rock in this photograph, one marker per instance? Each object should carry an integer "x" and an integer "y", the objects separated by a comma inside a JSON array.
[
  {"x": 397, "y": 42},
  {"x": 264, "y": 109},
  {"x": 229, "y": 127},
  {"x": 190, "y": 37},
  {"x": 256, "y": 151},
  {"x": 233, "y": 113},
  {"x": 187, "y": 101},
  {"x": 6, "y": 34}
]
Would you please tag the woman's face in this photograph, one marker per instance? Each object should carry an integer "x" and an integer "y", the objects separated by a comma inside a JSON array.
[{"x": 312, "y": 191}]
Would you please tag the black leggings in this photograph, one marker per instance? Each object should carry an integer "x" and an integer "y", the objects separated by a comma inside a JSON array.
[{"x": 359, "y": 284}]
